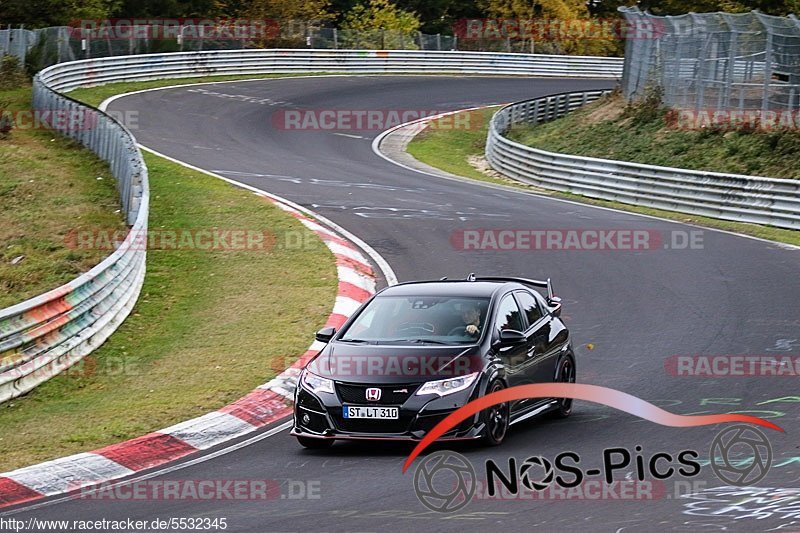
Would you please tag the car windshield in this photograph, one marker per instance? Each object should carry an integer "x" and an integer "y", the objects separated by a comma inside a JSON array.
[{"x": 419, "y": 319}]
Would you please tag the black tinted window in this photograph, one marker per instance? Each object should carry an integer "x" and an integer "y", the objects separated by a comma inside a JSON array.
[
  {"x": 403, "y": 319},
  {"x": 529, "y": 306},
  {"x": 508, "y": 315}
]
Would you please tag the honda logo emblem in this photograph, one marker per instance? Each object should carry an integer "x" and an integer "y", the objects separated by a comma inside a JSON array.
[{"x": 373, "y": 394}]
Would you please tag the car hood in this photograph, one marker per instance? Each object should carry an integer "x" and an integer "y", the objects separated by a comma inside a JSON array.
[{"x": 379, "y": 364}]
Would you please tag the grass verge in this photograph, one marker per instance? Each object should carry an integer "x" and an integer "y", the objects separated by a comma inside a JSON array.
[
  {"x": 460, "y": 151},
  {"x": 648, "y": 133},
  {"x": 49, "y": 186},
  {"x": 208, "y": 327}
]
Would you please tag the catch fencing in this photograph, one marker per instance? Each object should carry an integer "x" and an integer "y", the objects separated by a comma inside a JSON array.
[
  {"x": 720, "y": 61},
  {"x": 47, "y": 46}
]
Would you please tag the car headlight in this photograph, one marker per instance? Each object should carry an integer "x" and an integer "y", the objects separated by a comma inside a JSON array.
[
  {"x": 316, "y": 383},
  {"x": 444, "y": 387}
]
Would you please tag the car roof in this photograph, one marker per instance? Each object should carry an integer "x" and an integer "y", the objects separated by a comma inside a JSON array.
[{"x": 447, "y": 288}]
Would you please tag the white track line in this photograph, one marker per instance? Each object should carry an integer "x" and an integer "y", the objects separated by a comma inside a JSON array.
[
  {"x": 383, "y": 265},
  {"x": 507, "y": 188}
]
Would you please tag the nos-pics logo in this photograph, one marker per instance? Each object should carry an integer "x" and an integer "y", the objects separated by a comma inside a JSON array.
[{"x": 445, "y": 481}]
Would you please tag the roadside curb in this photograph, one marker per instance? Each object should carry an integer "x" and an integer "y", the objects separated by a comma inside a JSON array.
[{"x": 266, "y": 404}]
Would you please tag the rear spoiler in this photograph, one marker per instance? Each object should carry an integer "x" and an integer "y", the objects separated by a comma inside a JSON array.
[{"x": 551, "y": 297}]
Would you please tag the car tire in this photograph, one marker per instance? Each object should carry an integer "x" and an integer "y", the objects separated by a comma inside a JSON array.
[
  {"x": 315, "y": 444},
  {"x": 496, "y": 418},
  {"x": 566, "y": 374}
]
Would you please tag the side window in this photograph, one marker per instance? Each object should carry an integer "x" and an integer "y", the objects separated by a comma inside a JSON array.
[
  {"x": 529, "y": 306},
  {"x": 508, "y": 315}
]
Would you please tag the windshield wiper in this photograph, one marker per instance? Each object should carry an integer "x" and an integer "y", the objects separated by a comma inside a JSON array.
[
  {"x": 356, "y": 341},
  {"x": 424, "y": 341}
]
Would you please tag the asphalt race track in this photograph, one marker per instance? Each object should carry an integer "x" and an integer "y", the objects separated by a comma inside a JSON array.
[{"x": 732, "y": 295}]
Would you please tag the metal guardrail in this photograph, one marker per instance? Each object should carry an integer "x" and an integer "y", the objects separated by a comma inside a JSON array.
[
  {"x": 68, "y": 76},
  {"x": 758, "y": 200},
  {"x": 45, "y": 335}
]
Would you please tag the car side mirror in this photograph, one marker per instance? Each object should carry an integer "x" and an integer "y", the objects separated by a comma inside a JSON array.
[
  {"x": 325, "y": 334},
  {"x": 511, "y": 337},
  {"x": 554, "y": 302}
]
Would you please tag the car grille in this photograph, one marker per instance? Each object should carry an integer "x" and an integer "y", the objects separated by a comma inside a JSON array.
[{"x": 390, "y": 394}]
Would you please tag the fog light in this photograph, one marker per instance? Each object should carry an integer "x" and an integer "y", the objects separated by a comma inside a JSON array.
[{"x": 306, "y": 418}]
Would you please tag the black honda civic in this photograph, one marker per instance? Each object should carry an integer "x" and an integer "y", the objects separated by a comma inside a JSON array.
[{"x": 417, "y": 351}]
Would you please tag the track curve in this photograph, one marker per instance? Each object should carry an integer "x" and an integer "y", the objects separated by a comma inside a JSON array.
[{"x": 637, "y": 308}]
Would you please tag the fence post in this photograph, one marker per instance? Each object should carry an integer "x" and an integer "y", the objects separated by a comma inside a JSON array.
[
  {"x": 732, "y": 49},
  {"x": 701, "y": 67},
  {"x": 85, "y": 44},
  {"x": 767, "y": 72},
  {"x": 335, "y": 39},
  {"x": 23, "y": 53}
]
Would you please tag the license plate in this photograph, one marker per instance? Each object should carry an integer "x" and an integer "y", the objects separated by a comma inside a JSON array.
[{"x": 363, "y": 411}]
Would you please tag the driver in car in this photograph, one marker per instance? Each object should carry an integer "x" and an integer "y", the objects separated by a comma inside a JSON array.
[{"x": 471, "y": 314}]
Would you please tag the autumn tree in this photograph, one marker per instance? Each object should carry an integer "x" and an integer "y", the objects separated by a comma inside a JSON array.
[
  {"x": 43, "y": 13},
  {"x": 558, "y": 25},
  {"x": 380, "y": 24},
  {"x": 287, "y": 10}
]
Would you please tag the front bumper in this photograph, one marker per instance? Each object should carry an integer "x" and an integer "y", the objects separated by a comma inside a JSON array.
[{"x": 320, "y": 416}]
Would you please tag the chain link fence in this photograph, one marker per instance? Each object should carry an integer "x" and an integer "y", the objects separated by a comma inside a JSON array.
[
  {"x": 40, "y": 48},
  {"x": 724, "y": 61}
]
